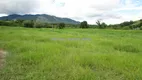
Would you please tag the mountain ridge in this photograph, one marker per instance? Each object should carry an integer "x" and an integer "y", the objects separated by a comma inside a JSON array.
[{"x": 40, "y": 17}]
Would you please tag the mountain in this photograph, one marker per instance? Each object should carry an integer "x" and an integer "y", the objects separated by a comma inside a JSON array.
[{"x": 40, "y": 17}]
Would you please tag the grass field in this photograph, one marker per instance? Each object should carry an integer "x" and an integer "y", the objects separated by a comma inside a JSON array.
[{"x": 71, "y": 54}]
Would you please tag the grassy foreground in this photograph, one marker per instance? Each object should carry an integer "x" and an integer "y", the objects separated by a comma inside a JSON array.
[{"x": 71, "y": 54}]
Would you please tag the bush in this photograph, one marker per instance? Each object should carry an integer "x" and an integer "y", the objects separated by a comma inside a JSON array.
[
  {"x": 101, "y": 25},
  {"x": 8, "y": 23},
  {"x": 141, "y": 28},
  {"x": 19, "y": 22},
  {"x": 126, "y": 28},
  {"x": 4, "y": 23},
  {"x": 28, "y": 24},
  {"x": 61, "y": 25},
  {"x": 84, "y": 24},
  {"x": 116, "y": 27},
  {"x": 39, "y": 25}
]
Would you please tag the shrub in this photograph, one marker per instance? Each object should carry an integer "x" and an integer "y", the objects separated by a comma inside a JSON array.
[
  {"x": 126, "y": 28},
  {"x": 48, "y": 25},
  {"x": 141, "y": 28},
  {"x": 101, "y": 25},
  {"x": 39, "y": 25},
  {"x": 4, "y": 23},
  {"x": 19, "y": 22},
  {"x": 61, "y": 25},
  {"x": 116, "y": 27},
  {"x": 84, "y": 24},
  {"x": 8, "y": 23},
  {"x": 28, "y": 24}
]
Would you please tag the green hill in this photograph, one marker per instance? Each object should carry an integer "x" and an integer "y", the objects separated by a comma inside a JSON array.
[{"x": 128, "y": 25}]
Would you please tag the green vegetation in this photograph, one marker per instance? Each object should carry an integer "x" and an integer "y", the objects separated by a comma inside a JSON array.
[
  {"x": 41, "y": 25},
  {"x": 128, "y": 25},
  {"x": 28, "y": 24},
  {"x": 101, "y": 25},
  {"x": 133, "y": 25},
  {"x": 84, "y": 24},
  {"x": 71, "y": 54},
  {"x": 61, "y": 25}
]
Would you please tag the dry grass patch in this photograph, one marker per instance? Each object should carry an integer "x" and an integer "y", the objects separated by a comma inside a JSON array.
[{"x": 2, "y": 57}]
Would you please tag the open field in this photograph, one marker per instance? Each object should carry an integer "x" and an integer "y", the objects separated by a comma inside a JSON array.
[{"x": 71, "y": 54}]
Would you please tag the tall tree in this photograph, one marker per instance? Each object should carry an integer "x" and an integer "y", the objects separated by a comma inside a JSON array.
[
  {"x": 98, "y": 23},
  {"x": 84, "y": 24},
  {"x": 101, "y": 25}
]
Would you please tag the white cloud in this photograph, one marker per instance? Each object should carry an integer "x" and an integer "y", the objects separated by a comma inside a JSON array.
[
  {"x": 3, "y": 15},
  {"x": 78, "y": 9},
  {"x": 110, "y": 11},
  {"x": 17, "y": 6}
]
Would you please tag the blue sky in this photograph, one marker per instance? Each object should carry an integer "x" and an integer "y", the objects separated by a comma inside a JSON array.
[{"x": 109, "y": 11}]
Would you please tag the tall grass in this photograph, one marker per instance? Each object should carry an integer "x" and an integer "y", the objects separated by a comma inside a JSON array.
[{"x": 71, "y": 54}]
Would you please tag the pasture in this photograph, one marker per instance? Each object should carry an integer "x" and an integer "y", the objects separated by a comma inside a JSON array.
[{"x": 71, "y": 54}]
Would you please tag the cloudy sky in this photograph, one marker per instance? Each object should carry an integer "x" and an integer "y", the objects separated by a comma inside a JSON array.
[{"x": 109, "y": 11}]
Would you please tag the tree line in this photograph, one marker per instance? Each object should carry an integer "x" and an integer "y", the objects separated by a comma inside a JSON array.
[
  {"x": 127, "y": 25},
  {"x": 31, "y": 24}
]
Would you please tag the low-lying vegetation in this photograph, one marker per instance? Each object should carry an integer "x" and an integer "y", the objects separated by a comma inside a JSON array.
[
  {"x": 71, "y": 54},
  {"x": 127, "y": 48}
]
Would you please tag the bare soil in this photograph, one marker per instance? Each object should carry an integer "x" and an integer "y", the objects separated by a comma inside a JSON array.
[{"x": 2, "y": 58}]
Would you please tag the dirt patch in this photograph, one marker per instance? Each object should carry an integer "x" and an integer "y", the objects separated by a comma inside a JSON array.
[{"x": 2, "y": 58}]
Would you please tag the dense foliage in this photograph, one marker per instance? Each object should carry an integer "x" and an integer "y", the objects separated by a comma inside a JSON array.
[
  {"x": 128, "y": 25},
  {"x": 61, "y": 25},
  {"x": 101, "y": 25},
  {"x": 84, "y": 24},
  {"x": 9, "y": 23},
  {"x": 28, "y": 24}
]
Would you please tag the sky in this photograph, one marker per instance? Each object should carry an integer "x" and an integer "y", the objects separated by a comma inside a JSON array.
[{"x": 108, "y": 11}]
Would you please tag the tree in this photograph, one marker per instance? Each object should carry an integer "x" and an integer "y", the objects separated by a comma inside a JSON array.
[
  {"x": 61, "y": 25},
  {"x": 126, "y": 28},
  {"x": 98, "y": 23},
  {"x": 28, "y": 24},
  {"x": 39, "y": 25},
  {"x": 19, "y": 21},
  {"x": 136, "y": 25},
  {"x": 141, "y": 22},
  {"x": 101, "y": 25},
  {"x": 84, "y": 24},
  {"x": 141, "y": 28}
]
